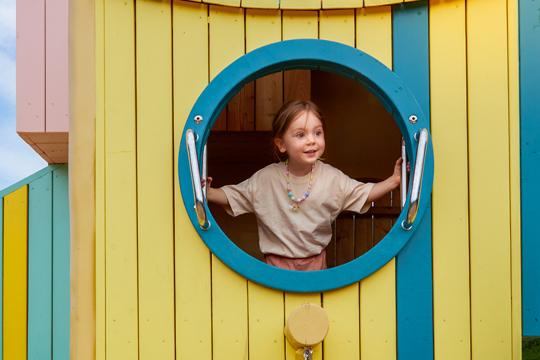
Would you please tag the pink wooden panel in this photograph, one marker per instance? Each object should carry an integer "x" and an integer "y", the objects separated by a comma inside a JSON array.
[
  {"x": 30, "y": 65},
  {"x": 57, "y": 70}
]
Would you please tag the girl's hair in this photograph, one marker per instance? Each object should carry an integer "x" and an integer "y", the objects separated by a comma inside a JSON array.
[
  {"x": 289, "y": 111},
  {"x": 286, "y": 114}
]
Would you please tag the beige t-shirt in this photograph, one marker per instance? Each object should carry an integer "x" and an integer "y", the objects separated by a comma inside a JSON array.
[{"x": 308, "y": 230}]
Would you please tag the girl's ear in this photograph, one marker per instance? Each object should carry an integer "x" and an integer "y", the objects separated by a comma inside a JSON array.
[{"x": 280, "y": 144}]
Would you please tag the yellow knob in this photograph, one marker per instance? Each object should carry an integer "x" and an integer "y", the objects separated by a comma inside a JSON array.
[{"x": 306, "y": 325}]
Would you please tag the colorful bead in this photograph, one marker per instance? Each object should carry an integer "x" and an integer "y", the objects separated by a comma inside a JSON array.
[{"x": 296, "y": 202}]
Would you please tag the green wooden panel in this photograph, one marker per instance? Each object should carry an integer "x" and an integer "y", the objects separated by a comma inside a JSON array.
[
  {"x": 40, "y": 268},
  {"x": 60, "y": 265}
]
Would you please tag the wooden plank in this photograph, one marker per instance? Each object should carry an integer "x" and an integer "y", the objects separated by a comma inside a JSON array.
[
  {"x": 60, "y": 265},
  {"x": 268, "y": 100},
  {"x": 30, "y": 66},
  {"x": 82, "y": 101},
  {"x": 515, "y": 176},
  {"x": 226, "y": 26},
  {"x": 487, "y": 70},
  {"x": 155, "y": 179},
  {"x": 529, "y": 74},
  {"x": 56, "y": 65},
  {"x": 293, "y": 301},
  {"x": 342, "y": 305},
  {"x": 99, "y": 213},
  {"x": 451, "y": 305},
  {"x": 374, "y": 33},
  {"x": 414, "y": 281},
  {"x": 235, "y": 3},
  {"x": 337, "y": 25},
  {"x": 377, "y": 292},
  {"x": 120, "y": 182},
  {"x": 378, "y": 314},
  {"x": 381, "y": 2},
  {"x": 300, "y": 25},
  {"x": 40, "y": 222},
  {"x": 343, "y": 339},
  {"x": 15, "y": 274},
  {"x": 241, "y": 109},
  {"x": 266, "y": 306},
  {"x": 300, "y": 4},
  {"x": 192, "y": 258},
  {"x": 342, "y": 4},
  {"x": 297, "y": 85},
  {"x": 262, "y": 4},
  {"x": 229, "y": 290},
  {"x": 266, "y": 323},
  {"x": 264, "y": 27}
]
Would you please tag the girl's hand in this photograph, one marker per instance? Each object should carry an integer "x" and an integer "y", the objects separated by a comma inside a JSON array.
[
  {"x": 206, "y": 182},
  {"x": 396, "y": 176}
]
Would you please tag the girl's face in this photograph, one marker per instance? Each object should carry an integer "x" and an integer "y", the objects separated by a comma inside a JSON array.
[{"x": 303, "y": 141}]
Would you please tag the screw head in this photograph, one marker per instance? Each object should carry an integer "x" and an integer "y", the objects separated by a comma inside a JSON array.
[
  {"x": 413, "y": 119},
  {"x": 198, "y": 119}
]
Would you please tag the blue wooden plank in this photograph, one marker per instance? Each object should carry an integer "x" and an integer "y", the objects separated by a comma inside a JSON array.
[
  {"x": 61, "y": 265},
  {"x": 529, "y": 53},
  {"x": 28, "y": 180},
  {"x": 414, "y": 286},
  {"x": 40, "y": 268}
]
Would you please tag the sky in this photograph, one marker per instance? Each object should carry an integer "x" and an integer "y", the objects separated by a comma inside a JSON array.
[{"x": 17, "y": 159}]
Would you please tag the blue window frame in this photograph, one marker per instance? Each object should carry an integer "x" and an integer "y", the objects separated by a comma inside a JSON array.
[{"x": 317, "y": 55}]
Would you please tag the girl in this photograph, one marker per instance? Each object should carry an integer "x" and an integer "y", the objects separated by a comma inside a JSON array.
[{"x": 295, "y": 201}]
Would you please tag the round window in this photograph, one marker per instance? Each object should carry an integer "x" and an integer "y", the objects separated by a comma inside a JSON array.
[{"x": 317, "y": 55}]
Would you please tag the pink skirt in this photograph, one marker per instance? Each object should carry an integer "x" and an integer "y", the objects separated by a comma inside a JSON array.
[{"x": 315, "y": 262}]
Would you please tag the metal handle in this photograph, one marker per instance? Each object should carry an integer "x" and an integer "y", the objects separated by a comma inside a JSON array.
[
  {"x": 412, "y": 211},
  {"x": 198, "y": 195},
  {"x": 403, "y": 188}
]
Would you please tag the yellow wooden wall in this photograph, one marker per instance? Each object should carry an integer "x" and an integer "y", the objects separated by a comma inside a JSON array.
[{"x": 160, "y": 294}]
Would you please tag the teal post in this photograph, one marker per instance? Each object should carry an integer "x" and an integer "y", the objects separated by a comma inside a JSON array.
[
  {"x": 529, "y": 55},
  {"x": 414, "y": 278},
  {"x": 61, "y": 265},
  {"x": 40, "y": 268}
]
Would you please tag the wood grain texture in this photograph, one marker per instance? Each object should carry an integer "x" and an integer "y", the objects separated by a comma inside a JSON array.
[
  {"x": 377, "y": 292},
  {"x": 155, "y": 180},
  {"x": 40, "y": 245},
  {"x": 122, "y": 331},
  {"x": 489, "y": 188},
  {"x": 15, "y": 274},
  {"x": 450, "y": 190},
  {"x": 192, "y": 257}
]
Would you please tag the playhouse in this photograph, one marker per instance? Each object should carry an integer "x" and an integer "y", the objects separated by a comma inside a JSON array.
[{"x": 111, "y": 252}]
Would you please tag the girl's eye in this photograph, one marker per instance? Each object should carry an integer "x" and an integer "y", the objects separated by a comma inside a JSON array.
[
  {"x": 299, "y": 135},
  {"x": 318, "y": 133}
]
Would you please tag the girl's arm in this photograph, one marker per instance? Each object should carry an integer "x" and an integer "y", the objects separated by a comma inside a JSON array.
[
  {"x": 384, "y": 187},
  {"x": 214, "y": 195}
]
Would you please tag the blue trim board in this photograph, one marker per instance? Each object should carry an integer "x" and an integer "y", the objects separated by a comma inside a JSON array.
[
  {"x": 414, "y": 277},
  {"x": 310, "y": 54},
  {"x": 529, "y": 55},
  {"x": 27, "y": 180},
  {"x": 40, "y": 268},
  {"x": 60, "y": 265}
]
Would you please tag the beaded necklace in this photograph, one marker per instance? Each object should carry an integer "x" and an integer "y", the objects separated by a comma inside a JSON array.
[{"x": 297, "y": 202}]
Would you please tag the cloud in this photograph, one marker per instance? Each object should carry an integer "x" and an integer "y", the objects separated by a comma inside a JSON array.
[
  {"x": 7, "y": 24},
  {"x": 7, "y": 79},
  {"x": 17, "y": 159}
]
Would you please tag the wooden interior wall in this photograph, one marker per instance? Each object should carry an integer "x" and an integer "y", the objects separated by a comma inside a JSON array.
[{"x": 220, "y": 315}]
